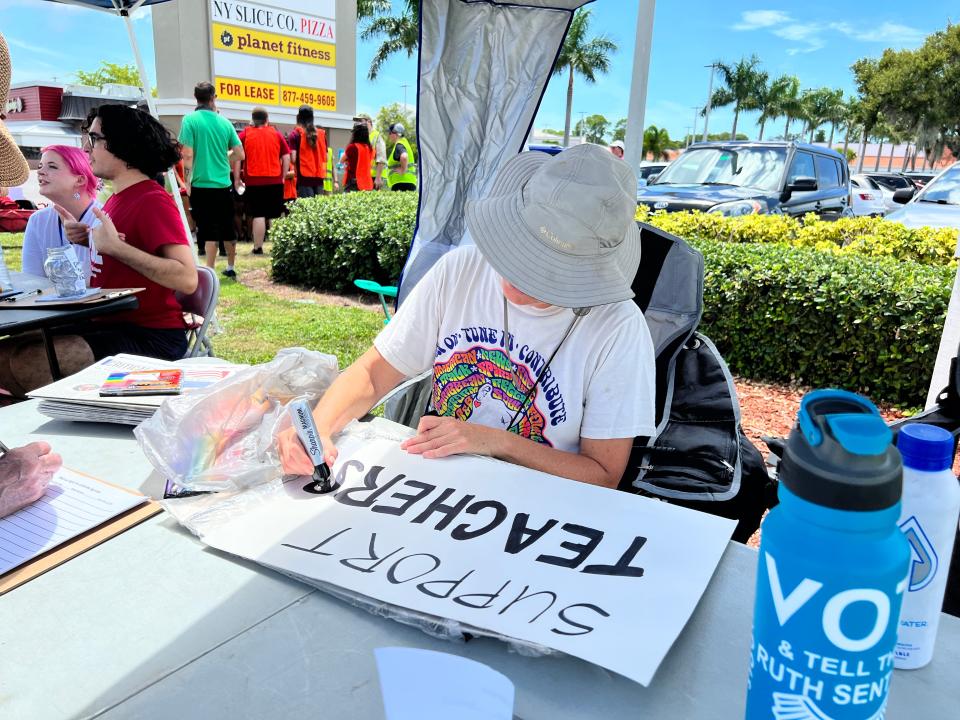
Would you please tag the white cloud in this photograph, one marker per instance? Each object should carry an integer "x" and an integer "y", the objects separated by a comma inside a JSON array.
[
  {"x": 754, "y": 19},
  {"x": 35, "y": 49},
  {"x": 887, "y": 32},
  {"x": 812, "y": 36}
]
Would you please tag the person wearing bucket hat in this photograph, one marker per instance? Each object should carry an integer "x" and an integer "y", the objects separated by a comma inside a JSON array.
[
  {"x": 14, "y": 170},
  {"x": 540, "y": 356}
]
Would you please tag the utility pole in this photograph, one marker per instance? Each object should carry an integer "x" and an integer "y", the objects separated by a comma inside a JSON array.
[
  {"x": 404, "y": 86},
  {"x": 706, "y": 110},
  {"x": 633, "y": 139},
  {"x": 688, "y": 136}
]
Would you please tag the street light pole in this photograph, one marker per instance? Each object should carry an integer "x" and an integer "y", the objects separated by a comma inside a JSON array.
[
  {"x": 696, "y": 112},
  {"x": 706, "y": 109},
  {"x": 404, "y": 86}
]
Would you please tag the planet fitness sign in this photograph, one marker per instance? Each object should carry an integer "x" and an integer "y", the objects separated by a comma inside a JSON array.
[{"x": 276, "y": 52}]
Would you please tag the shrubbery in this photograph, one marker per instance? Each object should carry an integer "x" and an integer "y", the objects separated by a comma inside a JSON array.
[
  {"x": 793, "y": 314},
  {"x": 858, "y": 236},
  {"x": 327, "y": 242},
  {"x": 777, "y": 305}
]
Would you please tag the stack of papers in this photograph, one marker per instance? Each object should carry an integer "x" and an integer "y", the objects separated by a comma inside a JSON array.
[{"x": 78, "y": 397}]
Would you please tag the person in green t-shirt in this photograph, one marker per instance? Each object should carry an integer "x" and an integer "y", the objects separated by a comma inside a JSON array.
[{"x": 211, "y": 149}]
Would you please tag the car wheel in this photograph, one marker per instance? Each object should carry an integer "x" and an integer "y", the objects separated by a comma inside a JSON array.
[{"x": 847, "y": 212}]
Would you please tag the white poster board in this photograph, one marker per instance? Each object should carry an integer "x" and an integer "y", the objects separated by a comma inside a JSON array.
[
  {"x": 275, "y": 53},
  {"x": 605, "y": 576}
]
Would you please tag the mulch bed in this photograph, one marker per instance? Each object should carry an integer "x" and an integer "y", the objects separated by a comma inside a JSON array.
[{"x": 771, "y": 409}]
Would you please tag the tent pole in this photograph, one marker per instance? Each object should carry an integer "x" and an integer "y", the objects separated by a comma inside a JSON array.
[
  {"x": 151, "y": 105},
  {"x": 633, "y": 140}
]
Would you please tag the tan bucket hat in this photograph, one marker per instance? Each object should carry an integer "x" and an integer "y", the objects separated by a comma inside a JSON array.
[
  {"x": 14, "y": 170},
  {"x": 561, "y": 229}
]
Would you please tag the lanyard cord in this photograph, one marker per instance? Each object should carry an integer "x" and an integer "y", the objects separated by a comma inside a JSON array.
[
  {"x": 577, "y": 314},
  {"x": 63, "y": 240}
]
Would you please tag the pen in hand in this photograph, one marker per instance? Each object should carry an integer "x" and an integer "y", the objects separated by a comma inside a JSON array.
[{"x": 309, "y": 437}]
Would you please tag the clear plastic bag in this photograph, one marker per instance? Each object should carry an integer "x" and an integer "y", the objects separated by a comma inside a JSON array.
[{"x": 221, "y": 438}]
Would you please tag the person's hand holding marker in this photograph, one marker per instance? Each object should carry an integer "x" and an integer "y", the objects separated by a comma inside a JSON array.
[{"x": 303, "y": 450}]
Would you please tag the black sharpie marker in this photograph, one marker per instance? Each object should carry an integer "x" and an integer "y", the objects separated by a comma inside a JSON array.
[{"x": 309, "y": 436}]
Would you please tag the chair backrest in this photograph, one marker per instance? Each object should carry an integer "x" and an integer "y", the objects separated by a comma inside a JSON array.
[{"x": 202, "y": 302}]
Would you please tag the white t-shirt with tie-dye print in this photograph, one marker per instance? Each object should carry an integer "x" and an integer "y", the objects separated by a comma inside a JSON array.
[{"x": 600, "y": 385}]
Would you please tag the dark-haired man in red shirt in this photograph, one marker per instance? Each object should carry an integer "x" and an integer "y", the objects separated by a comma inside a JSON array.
[{"x": 140, "y": 242}]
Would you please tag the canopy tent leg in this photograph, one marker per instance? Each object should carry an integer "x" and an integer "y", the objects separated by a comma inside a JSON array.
[
  {"x": 151, "y": 105},
  {"x": 949, "y": 343}
]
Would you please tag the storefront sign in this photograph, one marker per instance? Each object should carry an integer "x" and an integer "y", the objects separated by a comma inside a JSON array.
[{"x": 279, "y": 53}]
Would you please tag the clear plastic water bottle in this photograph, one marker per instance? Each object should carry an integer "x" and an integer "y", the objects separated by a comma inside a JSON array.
[
  {"x": 928, "y": 519},
  {"x": 832, "y": 568}
]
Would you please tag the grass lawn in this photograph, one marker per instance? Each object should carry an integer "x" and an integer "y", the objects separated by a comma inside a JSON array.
[{"x": 255, "y": 324}]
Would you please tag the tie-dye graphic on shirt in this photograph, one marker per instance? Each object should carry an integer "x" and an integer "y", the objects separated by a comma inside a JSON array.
[{"x": 481, "y": 385}]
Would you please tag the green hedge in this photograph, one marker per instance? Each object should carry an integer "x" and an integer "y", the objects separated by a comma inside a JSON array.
[
  {"x": 848, "y": 236},
  {"x": 793, "y": 314},
  {"x": 327, "y": 242},
  {"x": 783, "y": 312}
]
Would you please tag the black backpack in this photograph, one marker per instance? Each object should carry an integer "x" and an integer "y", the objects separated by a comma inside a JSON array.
[{"x": 700, "y": 457}]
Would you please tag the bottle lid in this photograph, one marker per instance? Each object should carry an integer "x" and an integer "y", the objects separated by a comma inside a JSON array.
[
  {"x": 925, "y": 447},
  {"x": 840, "y": 454}
]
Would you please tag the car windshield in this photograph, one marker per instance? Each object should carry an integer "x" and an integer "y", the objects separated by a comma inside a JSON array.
[
  {"x": 753, "y": 167},
  {"x": 945, "y": 190},
  {"x": 891, "y": 183}
]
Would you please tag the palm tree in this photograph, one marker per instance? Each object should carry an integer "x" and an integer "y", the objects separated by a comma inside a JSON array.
[
  {"x": 585, "y": 57},
  {"x": 656, "y": 141},
  {"x": 770, "y": 99},
  {"x": 743, "y": 81},
  {"x": 399, "y": 32},
  {"x": 836, "y": 111},
  {"x": 790, "y": 103}
]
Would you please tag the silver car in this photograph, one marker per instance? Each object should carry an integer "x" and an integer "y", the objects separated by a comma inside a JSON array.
[{"x": 937, "y": 205}]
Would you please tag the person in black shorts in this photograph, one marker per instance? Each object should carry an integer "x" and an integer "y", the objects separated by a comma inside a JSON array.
[
  {"x": 267, "y": 164},
  {"x": 210, "y": 147}
]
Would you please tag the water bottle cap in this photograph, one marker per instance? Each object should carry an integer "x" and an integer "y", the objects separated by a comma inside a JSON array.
[
  {"x": 925, "y": 447},
  {"x": 839, "y": 455}
]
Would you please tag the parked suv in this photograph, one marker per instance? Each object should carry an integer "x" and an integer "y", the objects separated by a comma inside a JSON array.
[{"x": 742, "y": 178}]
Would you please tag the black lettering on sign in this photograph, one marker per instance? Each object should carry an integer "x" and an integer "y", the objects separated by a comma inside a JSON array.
[
  {"x": 449, "y": 512},
  {"x": 490, "y": 597},
  {"x": 582, "y": 550},
  {"x": 523, "y": 596},
  {"x": 623, "y": 567},
  {"x": 521, "y": 536},
  {"x": 424, "y": 490},
  {"x": 394, "y": 578},
  {"x": 315, "y": 549},
  {"x": 345, "y": 496},
  {"x": 461, "y": 532},
  {"x": 454, "y": 584},
  {"x": 584, "y": 628},
  {"x": 372, "y": 557}
]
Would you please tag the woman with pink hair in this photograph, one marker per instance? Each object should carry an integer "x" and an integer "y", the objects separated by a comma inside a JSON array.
[{"x": 65, "y": 178}]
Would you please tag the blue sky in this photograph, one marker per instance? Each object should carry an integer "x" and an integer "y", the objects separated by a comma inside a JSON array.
[{"x": 816, "y": 40}]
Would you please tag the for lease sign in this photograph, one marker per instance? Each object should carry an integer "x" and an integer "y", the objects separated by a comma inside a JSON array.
[
  {"x": 606, "y": 576},
  {"x": 276, "y": 52}
]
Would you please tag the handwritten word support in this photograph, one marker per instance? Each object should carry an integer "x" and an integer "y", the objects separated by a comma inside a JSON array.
[{"x": 609, "y": 577}]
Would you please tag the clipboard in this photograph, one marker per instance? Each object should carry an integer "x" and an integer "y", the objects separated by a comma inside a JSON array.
[
  {"x": 81, "y": 543},
  {"x": 33, "y": 302}
]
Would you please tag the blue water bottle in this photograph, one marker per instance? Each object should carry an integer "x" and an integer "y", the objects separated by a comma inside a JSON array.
[{"x": 832, "y": 569}]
